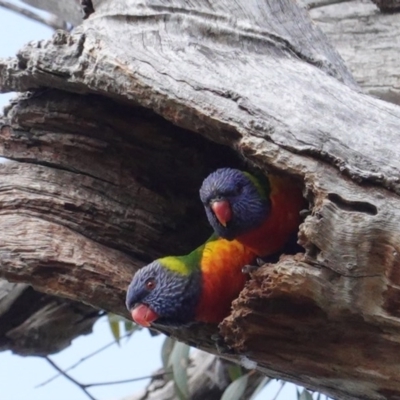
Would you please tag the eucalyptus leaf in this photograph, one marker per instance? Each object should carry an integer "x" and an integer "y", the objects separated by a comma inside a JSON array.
[
  {"x": 113, "y": 322},
  {"x": 236, "y": 389},
  {"x": 179, "y": 394},
  {"x": 179, "y": 360},
  {"x": 305, "y": 395},
  {"x": 234, "y": 372},
  {"x": 130, "y": 327},
  {"x": 166, "y": 350}
]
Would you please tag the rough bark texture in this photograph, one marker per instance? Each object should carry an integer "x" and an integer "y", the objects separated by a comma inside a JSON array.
[
  {"x": 368, "y": 41},
  {"x": 103, "y": 182},
  {"x": 32, "y": 323}
]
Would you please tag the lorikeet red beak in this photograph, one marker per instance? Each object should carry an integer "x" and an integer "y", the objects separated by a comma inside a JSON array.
[
  {"x": 199, "y": 286},
  {"x": 222, "y": 210},
  {"x": 143, "y": 315},
  {"x": 261, "y": 212}
]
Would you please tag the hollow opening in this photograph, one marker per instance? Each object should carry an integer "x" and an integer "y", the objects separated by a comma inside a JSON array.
[{"x": 149, "y": 165}]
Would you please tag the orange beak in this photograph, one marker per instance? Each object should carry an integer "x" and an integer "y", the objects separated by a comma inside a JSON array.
[{"x": 222, "y": 210}]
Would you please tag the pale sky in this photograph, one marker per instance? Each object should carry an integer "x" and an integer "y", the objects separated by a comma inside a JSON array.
[{"x": 139, "y": 356}]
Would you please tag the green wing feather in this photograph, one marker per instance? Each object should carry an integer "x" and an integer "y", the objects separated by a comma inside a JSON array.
[
  {"x": 261, "y": 182},
  {"x": 189, "y": 263}
]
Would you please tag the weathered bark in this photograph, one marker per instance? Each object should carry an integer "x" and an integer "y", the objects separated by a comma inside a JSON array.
[
  {"x": 103, "y": 186},
  {"x": 367, "y": 40},
  {"x": 32, "y": 323}
]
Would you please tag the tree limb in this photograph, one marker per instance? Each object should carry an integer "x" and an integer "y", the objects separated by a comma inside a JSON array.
[
  {"x": 69, "y": 11},
  {"x": 368, "y": 42},
  {"x": 32, "y": 323},
  {"x": 322, "y": 3},
  {"x": 104, "y": 184},
  {"x": 52, "y": 21},
  {"x": 69, "y": 377}
]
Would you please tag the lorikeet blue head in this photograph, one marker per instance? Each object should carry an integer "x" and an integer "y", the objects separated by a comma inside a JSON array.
[
  {"x": 235, "y": 201},
  {"x": 164, "y": 292}
]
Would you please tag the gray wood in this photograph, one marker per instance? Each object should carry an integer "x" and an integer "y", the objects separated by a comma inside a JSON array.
[
  {"x": 33, "y": 323},
  {"x": 367, "y": 40},
  {"x": 103, "y": 184}
]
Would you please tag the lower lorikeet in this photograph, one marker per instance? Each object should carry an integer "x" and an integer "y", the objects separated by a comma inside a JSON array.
[
  {"x": 262, "y": 213},
  {"x": 199, "y": 286}
]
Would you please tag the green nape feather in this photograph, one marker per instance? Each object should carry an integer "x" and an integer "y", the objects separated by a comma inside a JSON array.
[
  {"x": 189, "y": 263},
  {"x": 261, "y": 182}
]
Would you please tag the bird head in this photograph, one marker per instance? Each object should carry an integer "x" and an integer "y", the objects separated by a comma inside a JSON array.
[
  {"x": 235, "y": 201},
  {"x": 159, "y": 294}
]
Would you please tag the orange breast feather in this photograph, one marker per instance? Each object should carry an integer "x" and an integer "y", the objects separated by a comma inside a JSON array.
[{"x": 222, "y": 278}]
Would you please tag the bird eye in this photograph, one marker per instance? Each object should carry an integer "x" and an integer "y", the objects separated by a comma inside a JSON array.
[{"x": 150, "y": 284}]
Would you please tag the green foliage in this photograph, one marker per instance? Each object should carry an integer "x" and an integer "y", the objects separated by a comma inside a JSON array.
[
  {"x": 236, "y": 389},
  {"x": 234, "y": 372},
  {"x": 179, "y": 361},
  {"x": 305, "y": 395},
  {"x": 120, "y": 326},
  {"x": 175, "y": 360},
  {"x": 166, "y": 351}
]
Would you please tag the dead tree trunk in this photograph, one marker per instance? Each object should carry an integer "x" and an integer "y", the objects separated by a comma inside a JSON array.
[{"x": 128, "y": 114}]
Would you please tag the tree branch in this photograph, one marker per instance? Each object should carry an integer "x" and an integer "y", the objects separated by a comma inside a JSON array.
[
  {"x": 66, "y": 376},
  {"x": 33, "y": 323},
  {"x": 364, "y": 38},
  {"x": 52, "y": 21},
  {"x": 80, "y": 361},
  {"x": 279, "y": 390},
  {"x": 102, "y": 183},
  {"x": 322, "y": 3},
  {"x": 69, "y": 11},
  {"x": 141, "y": 378}
]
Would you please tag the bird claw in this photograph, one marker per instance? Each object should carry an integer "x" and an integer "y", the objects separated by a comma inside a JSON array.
[
  {"x": 305, "y": 213},
  {"x": 260, "y": 262},
  {"x": 221, "y": 345},
  {"x": 251, "y": 268}
]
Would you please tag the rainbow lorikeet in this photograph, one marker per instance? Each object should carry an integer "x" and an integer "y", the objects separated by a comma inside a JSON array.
[
  {"x": 261, "y": 212},
  {"x": 199, "y": 286}
]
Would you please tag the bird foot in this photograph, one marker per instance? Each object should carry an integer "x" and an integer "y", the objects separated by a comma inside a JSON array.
[
  {"x": 221, "y": 345},
  {"x": 251, "y": 268},
  {"x": 305, "y": 213}
]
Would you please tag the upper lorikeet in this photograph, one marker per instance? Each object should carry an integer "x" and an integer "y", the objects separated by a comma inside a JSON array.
[
  {"x": 199, "y": 286},
  {"x": 260, "y": 212}
]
